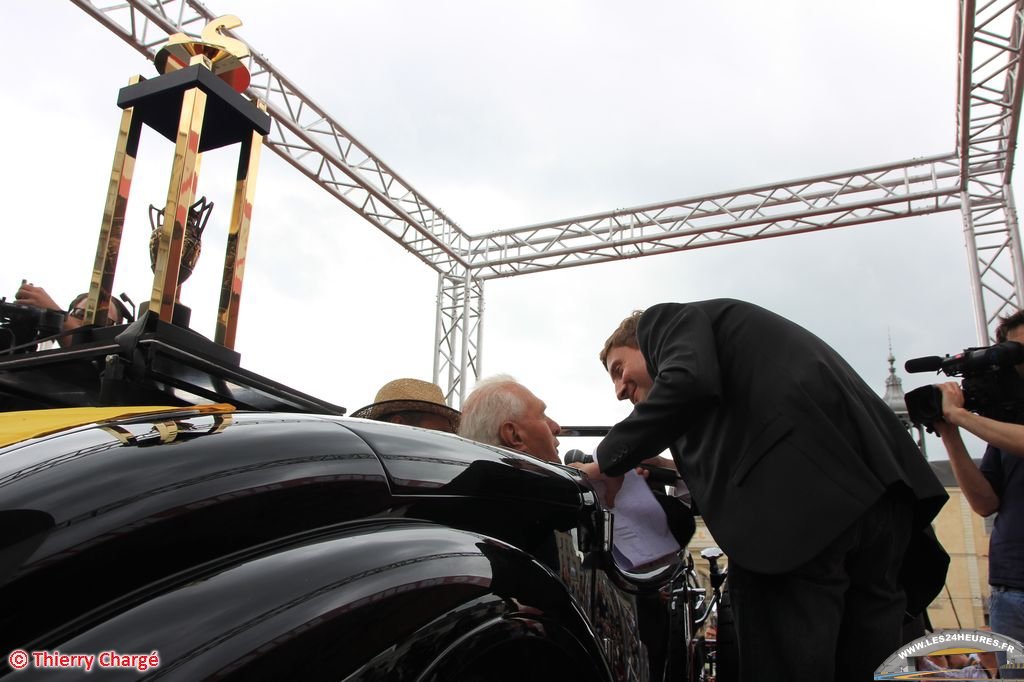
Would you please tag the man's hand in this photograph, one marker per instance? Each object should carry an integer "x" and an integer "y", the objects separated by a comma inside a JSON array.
[
  {"x": 952, "y": 396},
  {"x": 1006, "y": 436},
  {"x": 952, "y": 399},
  {"x": 29, "y": 294},
  {"x": 612, "y": 484}
]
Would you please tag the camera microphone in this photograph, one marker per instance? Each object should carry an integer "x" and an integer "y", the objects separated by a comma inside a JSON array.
[
  {"x": 932, "y": 363},
  {"x": 979, "y": 359},
  {"x": 971, "y": 360}
]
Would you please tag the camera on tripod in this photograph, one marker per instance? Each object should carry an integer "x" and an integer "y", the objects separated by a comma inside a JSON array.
[
  {"x": 991, "y": 385},
  {"x": 20, "y": 325}
]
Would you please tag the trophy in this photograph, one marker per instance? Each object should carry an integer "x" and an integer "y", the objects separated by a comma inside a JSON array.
[
  {"x": 198, "y": 216},
  {"x": 197, "y": 103}
]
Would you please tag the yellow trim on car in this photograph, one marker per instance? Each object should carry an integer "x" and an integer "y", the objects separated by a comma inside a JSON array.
[{"x": 19, "y": 426}]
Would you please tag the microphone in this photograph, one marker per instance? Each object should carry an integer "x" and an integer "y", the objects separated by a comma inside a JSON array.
[
  {"x": 575, "y": 455},
  {"x": 124, "y": 297},
  {"x": 659, "y": 475},
  {"x": 932, "y": 363}
]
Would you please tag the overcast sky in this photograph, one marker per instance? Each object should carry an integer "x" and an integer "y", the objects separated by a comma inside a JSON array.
[{"x": 509, "y": 113}]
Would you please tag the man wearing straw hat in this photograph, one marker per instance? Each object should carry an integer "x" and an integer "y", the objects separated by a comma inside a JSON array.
[{"x": 414, "y": 403}]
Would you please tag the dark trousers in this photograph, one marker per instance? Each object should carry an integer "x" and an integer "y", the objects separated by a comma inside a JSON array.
[{"x": 838, "y": 616}]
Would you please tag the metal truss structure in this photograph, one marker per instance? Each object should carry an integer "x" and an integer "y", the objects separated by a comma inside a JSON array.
[
  {"x": 974, "y": 179},
  {"x": 988, "y": 115}
]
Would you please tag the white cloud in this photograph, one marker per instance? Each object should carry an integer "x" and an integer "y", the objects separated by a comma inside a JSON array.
[{"x": 510, "y": 113}]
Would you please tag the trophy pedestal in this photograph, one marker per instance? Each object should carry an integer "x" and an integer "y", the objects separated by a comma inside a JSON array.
[
  {"x": 229, "y": 118},
  {"x": 180, "y": 318}
]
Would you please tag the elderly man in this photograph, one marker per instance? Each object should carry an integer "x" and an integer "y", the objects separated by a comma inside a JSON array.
[
  {"x": 501, "y": 411},
  {"x": 414, "y": 403}
]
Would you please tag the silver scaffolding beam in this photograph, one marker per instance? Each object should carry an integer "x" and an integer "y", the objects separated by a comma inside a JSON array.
[
  {"x": 975, "y": 179},
  {"x": 898, "y": 190}
]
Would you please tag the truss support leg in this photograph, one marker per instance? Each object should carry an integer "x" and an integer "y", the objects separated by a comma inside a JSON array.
[
  {"x": 458, "y": 337},
  {"x": 1014, "y": 229},
  {"x": 992, "y": 238}
]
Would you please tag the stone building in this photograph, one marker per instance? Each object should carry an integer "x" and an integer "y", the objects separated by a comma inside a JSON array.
[{"x": 964, "y": 534}]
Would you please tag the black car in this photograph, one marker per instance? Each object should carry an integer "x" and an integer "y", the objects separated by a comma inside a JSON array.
[
  {"x": 268, "y": 545},
  {"x": 244, "y": 530}
]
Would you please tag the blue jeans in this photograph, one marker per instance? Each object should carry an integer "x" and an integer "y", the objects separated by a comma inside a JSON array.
[{"x": 1006, "y": 614}]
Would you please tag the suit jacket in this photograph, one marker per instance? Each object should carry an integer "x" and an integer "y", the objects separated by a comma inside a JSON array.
[{"x": 782, "y": 445}]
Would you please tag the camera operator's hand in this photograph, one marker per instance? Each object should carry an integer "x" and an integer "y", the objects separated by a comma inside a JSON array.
[
  {"x": 612, "y": 484},
  {"x": 29, "y": 294},
  {"x": 952, "y": 408}
]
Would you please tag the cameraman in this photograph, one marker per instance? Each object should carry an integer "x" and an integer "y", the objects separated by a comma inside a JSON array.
[
  {"x": 997, "y": 486},
  {"x": 29, "y": 294}
]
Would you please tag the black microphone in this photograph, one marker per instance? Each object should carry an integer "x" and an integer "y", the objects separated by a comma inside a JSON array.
[
  {"x": 124, "y": 297},
  {"x": 660, "y": 475},
  {"x": 574, "y": 456},
  {"x": 932, "y": 363}
]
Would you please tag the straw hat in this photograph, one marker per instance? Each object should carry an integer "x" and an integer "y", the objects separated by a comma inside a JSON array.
[{"x": 408, "y": 395}]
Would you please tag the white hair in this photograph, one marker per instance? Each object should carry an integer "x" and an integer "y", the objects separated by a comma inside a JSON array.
[{"x": 488, "y": 406}]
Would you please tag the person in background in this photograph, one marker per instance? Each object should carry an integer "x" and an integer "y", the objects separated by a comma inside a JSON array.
[
  {"x": 994, "y": 487},
  {"x": 414, "y": 403},
  {"x": 30, "y": 294}
]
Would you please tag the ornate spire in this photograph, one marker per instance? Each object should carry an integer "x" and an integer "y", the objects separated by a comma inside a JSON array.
[{"x": 894, "y": 396}]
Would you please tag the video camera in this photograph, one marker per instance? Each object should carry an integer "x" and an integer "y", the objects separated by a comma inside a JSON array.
[
  {"x": 991, "y": 385},
  {"x": 20, "y": 325}
]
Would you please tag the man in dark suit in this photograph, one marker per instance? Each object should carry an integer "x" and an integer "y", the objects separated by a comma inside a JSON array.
[{"x": 804, "y": 477}]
